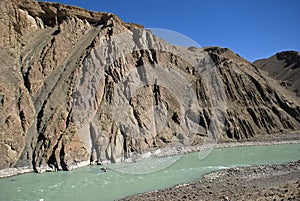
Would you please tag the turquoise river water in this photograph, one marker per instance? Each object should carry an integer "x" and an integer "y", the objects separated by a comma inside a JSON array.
[{"x": 92, "y": 184}]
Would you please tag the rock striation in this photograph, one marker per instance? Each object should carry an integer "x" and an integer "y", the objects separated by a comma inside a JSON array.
[
  {"x": 284, "y": 67},
  {"x": 81, "y": 86}
]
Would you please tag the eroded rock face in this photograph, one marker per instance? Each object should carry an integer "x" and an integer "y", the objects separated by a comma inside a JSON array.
[
  {"x": 284, "y": 67},
  {"x": 79, "y": 85}
]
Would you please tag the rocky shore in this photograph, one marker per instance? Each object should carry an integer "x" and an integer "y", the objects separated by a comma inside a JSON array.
[
  {"x": 267, "y": 182},
  {"x": 291, "y": 138}
]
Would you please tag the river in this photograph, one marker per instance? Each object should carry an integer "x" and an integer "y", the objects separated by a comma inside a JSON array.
[{"x": 125, "y": 179}]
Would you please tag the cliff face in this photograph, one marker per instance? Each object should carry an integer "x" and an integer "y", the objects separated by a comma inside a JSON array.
[
  {"x": 79, "y": 85},
  {"x": 285, "y": 67}
]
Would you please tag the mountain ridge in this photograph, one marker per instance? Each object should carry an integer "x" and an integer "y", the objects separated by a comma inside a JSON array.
[
  {"x": 285, "y": 67},
  {"x": 84, "y": 86}
]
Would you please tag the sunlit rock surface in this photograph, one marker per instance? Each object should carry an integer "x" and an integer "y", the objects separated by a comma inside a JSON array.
[
  {"x": 284, "y": 67},
  {"x": 81, "y": 86}
]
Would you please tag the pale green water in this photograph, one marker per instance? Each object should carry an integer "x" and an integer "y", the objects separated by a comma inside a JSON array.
[{"x": 90, "y": 184}]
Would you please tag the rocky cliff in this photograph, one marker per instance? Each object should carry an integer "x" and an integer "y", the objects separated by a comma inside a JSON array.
[
  {"x": 284, "y": 67},
  {"x": 84, "y": 86}
]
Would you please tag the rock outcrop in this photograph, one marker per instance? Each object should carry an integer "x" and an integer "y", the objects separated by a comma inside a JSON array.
[
  {"x": 284, "y": 67},
  {"x": 79, "y": 85}
]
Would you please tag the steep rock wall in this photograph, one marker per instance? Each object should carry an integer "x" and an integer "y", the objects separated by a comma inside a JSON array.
[{"x": 79, "y": 85}]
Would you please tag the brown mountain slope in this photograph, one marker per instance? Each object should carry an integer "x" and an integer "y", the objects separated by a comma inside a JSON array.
[
  {"x": 285, "y": 67},
  {"x": 83, "y": 86}
]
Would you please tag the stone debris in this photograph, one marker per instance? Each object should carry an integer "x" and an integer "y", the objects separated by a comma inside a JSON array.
[{"x": 264, "y": 182}]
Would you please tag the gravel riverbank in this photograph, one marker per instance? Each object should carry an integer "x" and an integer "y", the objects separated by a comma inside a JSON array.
[{"x": 265, "y": 182}]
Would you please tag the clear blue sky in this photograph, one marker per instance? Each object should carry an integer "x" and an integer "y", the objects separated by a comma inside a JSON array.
[{"x": 252, "y": 28}]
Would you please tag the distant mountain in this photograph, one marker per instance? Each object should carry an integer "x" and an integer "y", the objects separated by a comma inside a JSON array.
[
  {"x": 284, "y": 67},
  {"x": 78, "y": 86}
]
